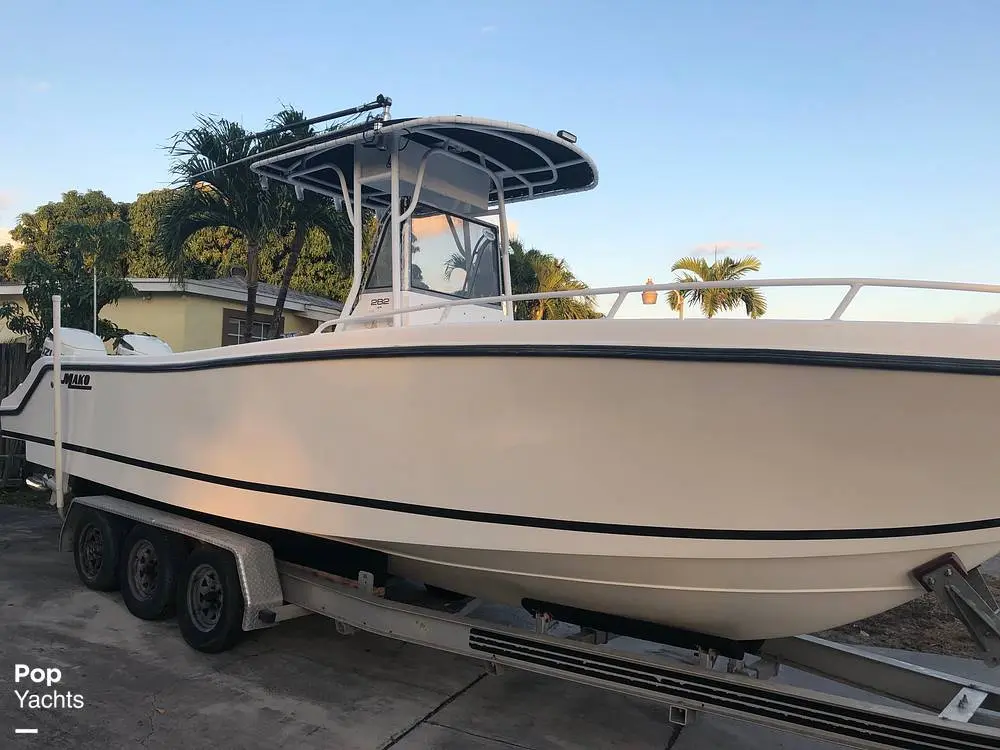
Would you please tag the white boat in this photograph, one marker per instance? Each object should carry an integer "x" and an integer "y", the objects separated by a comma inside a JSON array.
[{"x": 568, "y": 466}]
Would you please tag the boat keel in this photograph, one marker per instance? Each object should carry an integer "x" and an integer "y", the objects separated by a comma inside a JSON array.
[{"x": 646, "y": 631}]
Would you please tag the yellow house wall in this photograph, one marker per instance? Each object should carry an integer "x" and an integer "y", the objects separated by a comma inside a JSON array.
[
  {"x": 297, "y": 324},
  {"x": 193, "y": 322},
  {"x": 203, "y": 325},
  {"x": 160, "y": 315},
  {"x": 185, "y": 322}
]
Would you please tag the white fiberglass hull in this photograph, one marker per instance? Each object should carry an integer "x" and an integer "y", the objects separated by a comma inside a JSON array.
[{"x": 744, "y": 480}]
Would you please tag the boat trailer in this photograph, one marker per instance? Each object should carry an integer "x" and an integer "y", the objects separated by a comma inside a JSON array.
[{"x": 948, "y": 712}]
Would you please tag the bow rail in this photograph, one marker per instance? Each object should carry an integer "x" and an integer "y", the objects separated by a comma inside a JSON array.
[{"x": 622, "y": 293}]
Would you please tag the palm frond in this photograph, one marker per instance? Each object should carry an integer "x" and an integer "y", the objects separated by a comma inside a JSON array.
[
  {"x": 753, "y": 300},
  {"x": 290, "y": 120},
  {"x": 188, "y": 211},
  {"x": 554, "y": 275},
  {"x": 457, "y": 260},
  {"x": 735, "y": 268},
  {"x": 697, "y": 267},
  {"x": 676, "y": 299},
  {"x": 714, "y": 301},
  {"x": 214, "y": 145}
]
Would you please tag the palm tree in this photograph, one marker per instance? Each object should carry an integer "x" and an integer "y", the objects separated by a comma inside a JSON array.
[
  {"x": 300, "y": 215},
  {"x": 554, "y": 275},
  {"x": 713, "y": 301},
  {"x": 535, "y": 272},
  {"x": 675, "y": 298},
  {"x": 522, "y": 278},
  {"x": 210, "y": 195}
]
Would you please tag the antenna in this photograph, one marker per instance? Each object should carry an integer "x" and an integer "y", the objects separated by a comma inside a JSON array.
[
  {"x": 380, "y": 101},
  {"x": 714, "y": 247}
]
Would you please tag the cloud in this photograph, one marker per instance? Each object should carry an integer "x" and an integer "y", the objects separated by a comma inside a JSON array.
[
  {"x": 993, "y": 317},
  {"x": 488, "y": 29},
  {"x": 39, "y": 87},
  {"x": 512, "y": 224},
  {"x": 6, "y": 199}
]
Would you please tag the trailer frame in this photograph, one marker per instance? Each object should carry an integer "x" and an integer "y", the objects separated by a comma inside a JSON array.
[{"x": 948, "y": 712}]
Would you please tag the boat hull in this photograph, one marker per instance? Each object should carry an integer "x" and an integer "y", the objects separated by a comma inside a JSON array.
[{"x": 611, "y": 466}]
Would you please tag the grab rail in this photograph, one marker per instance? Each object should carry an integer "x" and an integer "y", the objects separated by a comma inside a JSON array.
[{"x": 854, "y": 285}]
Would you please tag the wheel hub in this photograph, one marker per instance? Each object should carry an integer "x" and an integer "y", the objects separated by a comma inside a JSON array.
[
  {"x": 144, "y": 569},
  {"x": 91, "y": 551},
  {"x": 205, "y": 597}
]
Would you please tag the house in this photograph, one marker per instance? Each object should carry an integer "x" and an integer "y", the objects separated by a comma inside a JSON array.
[{"x": 200, "y": 314}]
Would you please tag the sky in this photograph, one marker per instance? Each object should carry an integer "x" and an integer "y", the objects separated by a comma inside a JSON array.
[{"x": 837, "y": 137}]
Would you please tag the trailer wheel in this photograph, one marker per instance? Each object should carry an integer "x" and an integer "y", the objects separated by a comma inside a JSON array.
[
  {"x": 210, "y": 601},
  {"x": 148, "y": 572},
  {"x": 96, "y": 540}
]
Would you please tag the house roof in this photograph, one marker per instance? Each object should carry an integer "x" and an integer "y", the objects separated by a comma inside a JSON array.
[
  {"x": 307, "y": 305},
  {"x": 228, "y": 287}
]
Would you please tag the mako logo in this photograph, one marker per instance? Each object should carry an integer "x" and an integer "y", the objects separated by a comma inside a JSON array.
[{"x": 76, "y": 381}]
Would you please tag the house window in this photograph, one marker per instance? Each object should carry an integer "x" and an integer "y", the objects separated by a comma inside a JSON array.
[{"x": 234, "y": 328}]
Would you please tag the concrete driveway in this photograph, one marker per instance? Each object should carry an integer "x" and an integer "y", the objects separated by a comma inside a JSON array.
[{"x": 300, "y": 685}]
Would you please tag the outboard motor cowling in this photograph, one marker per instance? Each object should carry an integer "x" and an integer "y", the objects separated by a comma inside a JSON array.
[
  {"x": 132, "y": 344},
  {"x": 76, "y": 342}
]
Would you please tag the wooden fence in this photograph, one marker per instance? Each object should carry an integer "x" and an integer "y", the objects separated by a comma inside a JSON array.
[{"x": 14, "y": 365}]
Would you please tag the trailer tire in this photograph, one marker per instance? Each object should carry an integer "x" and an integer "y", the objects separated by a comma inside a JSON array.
[
  {"x": 96, "y": 541},
  {"x": 210, "y": 600},
  {"x": 148, "y": 572}
]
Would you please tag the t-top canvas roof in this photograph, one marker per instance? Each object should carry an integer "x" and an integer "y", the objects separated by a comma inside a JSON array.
[{"x": 528, "y": 163}]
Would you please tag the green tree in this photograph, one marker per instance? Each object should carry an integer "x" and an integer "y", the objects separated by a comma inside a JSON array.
[
  {"x": 320, "y": 270},
  {"x": 713, "y": 301},
  {"x": 40, "y": 231},
  {"x": 535, "y": 272},
  {"x": 67, "y": 268},
  {"x": 8, "y": 255},
  {"x": 145, "y": 259},
  {"x": 207, "y": 254}
]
